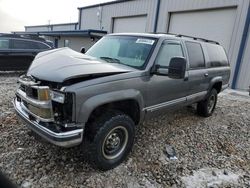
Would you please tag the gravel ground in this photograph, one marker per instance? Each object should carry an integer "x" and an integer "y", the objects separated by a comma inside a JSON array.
[{"x": 210, "y": 152}]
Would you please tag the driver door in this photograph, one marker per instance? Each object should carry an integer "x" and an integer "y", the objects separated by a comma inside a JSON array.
[{"x": 164, "y": 92}]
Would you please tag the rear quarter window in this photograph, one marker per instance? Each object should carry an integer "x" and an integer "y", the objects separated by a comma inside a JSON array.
[
  {"x": 195, "y": 54},
  {"x": 217, "y": 55}
]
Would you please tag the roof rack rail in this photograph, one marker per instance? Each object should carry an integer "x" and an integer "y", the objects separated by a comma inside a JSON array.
[
  {"x": 26, "y": 36},
  {"x": 196, "y": 38},
  {"x": 181, "y": 35}
]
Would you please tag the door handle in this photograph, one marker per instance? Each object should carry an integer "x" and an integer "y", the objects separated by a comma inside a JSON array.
[{"x": 206, "y": 74}]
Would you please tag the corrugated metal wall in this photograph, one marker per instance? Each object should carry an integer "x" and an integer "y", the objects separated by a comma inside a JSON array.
[
  {"x": 37, "y": 28},
  {"x": 90, "y": 20},
  {"x": 55, "y": 27},
  {"x": 76, "y": 43},
  {"x": 244, "y": 74},
  {"x": 68, "y": 27}
]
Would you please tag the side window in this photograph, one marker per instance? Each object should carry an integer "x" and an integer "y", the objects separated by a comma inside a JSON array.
[
  {"x": 217, "y": 55},
  {"x": 167, "y": 51},
  {"x": 42, "y": 46},
  {"x": 23, "y": 44},
  {"x": 195, "y": 54},
  {"x": 4, "y": 43}
]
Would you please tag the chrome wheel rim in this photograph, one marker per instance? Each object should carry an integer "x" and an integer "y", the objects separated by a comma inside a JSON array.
[
  {"x": 115, "y": 142},
  {"x": 211, "y": 103}
]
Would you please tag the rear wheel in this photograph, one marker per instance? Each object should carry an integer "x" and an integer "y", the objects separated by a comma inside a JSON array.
[
  {"x": 109, "y": 139},
  {"x": 206, "y": 107}
]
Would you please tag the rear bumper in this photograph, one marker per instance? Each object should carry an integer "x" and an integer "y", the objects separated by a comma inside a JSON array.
[{"x": 63, "y": 139}]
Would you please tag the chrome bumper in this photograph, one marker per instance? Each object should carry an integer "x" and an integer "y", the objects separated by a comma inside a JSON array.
[{"x": 64, "y": 139}]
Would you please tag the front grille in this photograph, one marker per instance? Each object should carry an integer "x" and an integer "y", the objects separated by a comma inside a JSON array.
[
  {"x": 35, "y": 98},
  {"x": 31, "y": 92}
]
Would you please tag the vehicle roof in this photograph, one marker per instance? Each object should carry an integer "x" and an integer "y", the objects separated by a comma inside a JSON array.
[
  {"x": 167, "y": 35},
  {"x": 17, "y": 36}
]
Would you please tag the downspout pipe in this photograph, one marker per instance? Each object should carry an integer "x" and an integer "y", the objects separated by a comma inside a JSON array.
[
  {"x": 157, "y": 15},
  {"x": 241, "y": 50},
  {"x": 80, "y": 18}
]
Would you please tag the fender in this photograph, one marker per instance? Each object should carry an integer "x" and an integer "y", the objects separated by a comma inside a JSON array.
[
  {"x": 93, "y": 102},
  {"x": 214, "y": 81}
]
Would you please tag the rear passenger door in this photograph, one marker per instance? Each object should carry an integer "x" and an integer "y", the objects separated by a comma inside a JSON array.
[{"x": 198, "y": 73}]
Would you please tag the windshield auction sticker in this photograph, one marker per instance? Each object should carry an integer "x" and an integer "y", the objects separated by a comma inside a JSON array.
[{"x": 145, "y": 41}]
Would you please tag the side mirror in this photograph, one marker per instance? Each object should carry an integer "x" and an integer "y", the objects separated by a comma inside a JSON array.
[
  {"x": 177, "y": 68},
  {"x": 83, "y": 50}
]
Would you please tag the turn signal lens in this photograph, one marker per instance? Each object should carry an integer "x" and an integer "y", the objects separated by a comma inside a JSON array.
[{"x": 44, "y": 94}]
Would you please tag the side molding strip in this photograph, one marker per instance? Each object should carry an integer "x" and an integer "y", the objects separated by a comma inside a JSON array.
[
  {"x": 161, "y": 105},
  {"x": 196, "y": 95},
  {"x": 175, "y": 101}
]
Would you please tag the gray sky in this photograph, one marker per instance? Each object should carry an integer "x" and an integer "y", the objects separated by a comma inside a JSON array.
[{"x": 15, "y": 14}]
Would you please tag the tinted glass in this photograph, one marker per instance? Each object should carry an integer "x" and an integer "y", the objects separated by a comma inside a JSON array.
[
  {"x": 127, "y": 50},
  {"x": 195, "y": 54},
  {"x": 217, "y": 55},
  {"x": 167, "y": 51},
  {"x": 23, "y": 44},
  {"x": 4, "y": 43},
  {"x": 42, "y": 46}
]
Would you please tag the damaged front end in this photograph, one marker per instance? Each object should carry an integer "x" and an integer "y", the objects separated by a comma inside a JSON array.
[{"x": 48, "y": 110}]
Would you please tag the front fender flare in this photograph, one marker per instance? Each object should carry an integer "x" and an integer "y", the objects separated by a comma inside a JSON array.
[{"x": 92, "y": 103}]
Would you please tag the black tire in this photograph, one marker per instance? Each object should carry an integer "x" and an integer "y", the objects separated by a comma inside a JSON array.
[
  {"x": 206, "y": 107},
  {"x": 109, "y": 139}
]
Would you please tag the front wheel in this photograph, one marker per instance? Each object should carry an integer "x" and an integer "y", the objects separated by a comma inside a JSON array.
[
  {"x": 110, "y": 139},
  {"x": 206, "y": 107}
]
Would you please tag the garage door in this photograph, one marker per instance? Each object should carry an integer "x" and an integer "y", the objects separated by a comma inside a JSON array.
[
  {"x": 211, "y": 24},
  {"x": 130, "y": 24}
]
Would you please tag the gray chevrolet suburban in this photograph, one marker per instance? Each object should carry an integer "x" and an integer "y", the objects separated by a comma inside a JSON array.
[{"x": 97, "y": 98}]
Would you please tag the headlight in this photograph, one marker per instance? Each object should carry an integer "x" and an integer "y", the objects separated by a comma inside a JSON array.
[{"x": 57, "y": 96}]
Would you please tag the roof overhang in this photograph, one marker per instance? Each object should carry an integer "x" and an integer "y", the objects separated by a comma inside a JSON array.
[{"x": 72, "y": 33}]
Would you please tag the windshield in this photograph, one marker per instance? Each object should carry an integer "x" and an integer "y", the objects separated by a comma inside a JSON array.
[{"x": 127, "y": 50}]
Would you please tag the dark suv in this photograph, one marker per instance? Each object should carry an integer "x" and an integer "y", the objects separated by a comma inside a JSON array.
[{"x": 18, "y": 51}]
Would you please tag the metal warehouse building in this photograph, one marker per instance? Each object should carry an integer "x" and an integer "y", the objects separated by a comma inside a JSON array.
[{"x": 226, "y": 21}]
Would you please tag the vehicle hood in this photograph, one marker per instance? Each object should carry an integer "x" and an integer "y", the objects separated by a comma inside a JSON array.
[{"x": 64, "y": 64}]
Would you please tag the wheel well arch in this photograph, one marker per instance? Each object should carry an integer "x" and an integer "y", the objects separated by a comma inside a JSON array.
[
  {"x": 217, "y": 86},
  {"x": 128, "y": 106}
]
